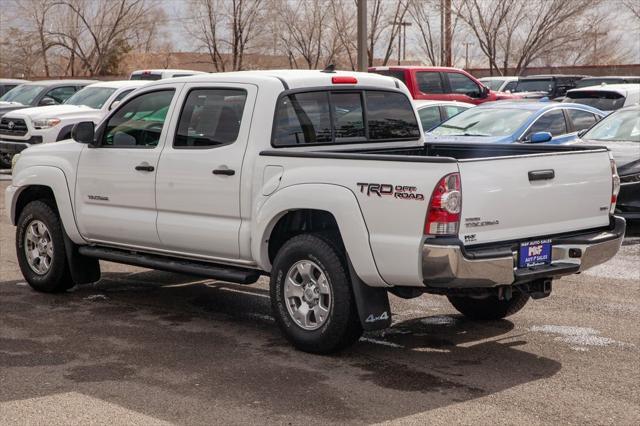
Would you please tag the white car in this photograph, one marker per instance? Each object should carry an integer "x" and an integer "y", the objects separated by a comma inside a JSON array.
[
  {"x": 432, "y": 113},
  {"x": 53, "y": 123},
  {"x": 500, "y": 83},
  {"x": 321, "y": 181},
  {"x": 160, "y": 74},
  {"x": 606, "y": 97}
]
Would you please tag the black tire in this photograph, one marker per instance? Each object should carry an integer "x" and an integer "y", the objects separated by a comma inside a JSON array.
[
  {"x": 490, "y": 308},
  {"x": 342, "y": 327},
  {"x": 58, "y": 277}
]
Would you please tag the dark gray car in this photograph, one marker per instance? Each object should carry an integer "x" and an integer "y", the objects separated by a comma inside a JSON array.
[
  {"x": 40, "y": 93},
  {"x": 620, "y": 132}
]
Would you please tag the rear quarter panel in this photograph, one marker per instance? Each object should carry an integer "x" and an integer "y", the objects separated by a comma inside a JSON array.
[{"x": 392, "y": 198}]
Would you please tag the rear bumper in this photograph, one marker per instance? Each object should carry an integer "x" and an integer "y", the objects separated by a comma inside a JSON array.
[{"x": 447, "y": 264}]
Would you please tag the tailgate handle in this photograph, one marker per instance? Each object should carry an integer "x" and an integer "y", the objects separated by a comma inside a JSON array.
[{"x": 541, "y": 175}]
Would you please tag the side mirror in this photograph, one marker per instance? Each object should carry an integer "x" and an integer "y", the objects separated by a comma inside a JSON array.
[
  {"x": 47, "y": 101},
  {"x": 113, "y": 105},
  {"x": 84, "y": 132},
  {"x": 540, "y": 137},
  {"x": 484, "y": 92}
]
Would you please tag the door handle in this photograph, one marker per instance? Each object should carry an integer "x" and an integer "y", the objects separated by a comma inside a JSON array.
[
  {"x": 226, "y": 172},
  {"x": 144, "y": 167},
  {"x": 541, "y": 175}
]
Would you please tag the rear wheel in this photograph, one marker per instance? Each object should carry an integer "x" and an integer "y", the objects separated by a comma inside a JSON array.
[
  {"x": 40, "y": 249},
  {"x": 490, "y": 308},
  {"x": 311, "y": 296}
]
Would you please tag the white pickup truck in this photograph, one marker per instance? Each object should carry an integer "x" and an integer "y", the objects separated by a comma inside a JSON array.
[{"x": 320, "y": 180}]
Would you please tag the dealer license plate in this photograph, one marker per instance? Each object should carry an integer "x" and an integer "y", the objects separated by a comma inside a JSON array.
[{"x": 534, "y": 253}]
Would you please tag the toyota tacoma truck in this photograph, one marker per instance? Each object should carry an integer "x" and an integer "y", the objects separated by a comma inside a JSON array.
[{"x": 320, "y": 181}]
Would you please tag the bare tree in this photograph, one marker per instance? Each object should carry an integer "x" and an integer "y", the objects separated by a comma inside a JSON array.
[
  {"x": 516, "y": 33},
  {"x": 97, "y": 33},
  {"x": 634, "y": 7},
  {"x": 225, "y": 29},
  {"x": 36, "y": 12},
  {"x": 344, "y": 27},
  {"x": 305, "y": 24},
  {"x": 421, "y": 13}
]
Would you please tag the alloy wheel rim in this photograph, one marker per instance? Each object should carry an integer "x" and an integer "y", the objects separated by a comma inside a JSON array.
[
  {"x": 307, "y": 295},
  {"x": 38, "y": 247}
]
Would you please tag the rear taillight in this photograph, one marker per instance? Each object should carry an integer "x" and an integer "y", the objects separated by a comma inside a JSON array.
[
  {"x": 615, "y": 185},
  {"x": 443, "y": 215}
]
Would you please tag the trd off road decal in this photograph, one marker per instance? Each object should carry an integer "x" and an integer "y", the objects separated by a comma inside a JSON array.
[{"x": 402, "y": 192}]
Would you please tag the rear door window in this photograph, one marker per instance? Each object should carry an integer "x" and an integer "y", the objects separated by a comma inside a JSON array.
[
  {"x": 581, "y": 119},
  {"x": 430, "y": 82},
  {"x": 210, "y": 118}
]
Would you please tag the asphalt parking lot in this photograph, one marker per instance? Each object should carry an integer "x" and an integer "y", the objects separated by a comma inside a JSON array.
[{"x": 147, "y": 347}]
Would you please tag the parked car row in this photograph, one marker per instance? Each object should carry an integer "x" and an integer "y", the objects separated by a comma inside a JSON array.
[{"x": 45, "y": 111}]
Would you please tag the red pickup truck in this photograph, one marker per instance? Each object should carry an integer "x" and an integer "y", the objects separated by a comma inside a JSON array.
[{"x": 442, "y": 84}]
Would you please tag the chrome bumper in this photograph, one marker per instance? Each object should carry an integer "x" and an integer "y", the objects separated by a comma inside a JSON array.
[{"x": 451, "y": 266}]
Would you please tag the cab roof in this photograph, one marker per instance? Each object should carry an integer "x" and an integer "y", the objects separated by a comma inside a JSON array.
[{"x": 292, "y": 79}]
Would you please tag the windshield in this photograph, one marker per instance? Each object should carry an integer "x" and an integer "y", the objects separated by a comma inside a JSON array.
[
  {"x": 484, "y": 122},
  {"x": 493, "y": 84},
  {"x": 24, "y": 94},
  {"x": 604, "y": 101},
  {"x": 620, "y": 126},
  {"x": 93, "y": 97},
  {"x": 534, "y": 86}
]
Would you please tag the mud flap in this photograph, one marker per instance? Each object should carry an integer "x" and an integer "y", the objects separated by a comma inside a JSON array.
[
  {"x": 372, "y": 303},
  {"x": 84, "y": 269}
]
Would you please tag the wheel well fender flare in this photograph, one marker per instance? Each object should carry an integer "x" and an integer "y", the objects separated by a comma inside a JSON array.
[
  {"x": 53, "y": 178},
  {"x": 336, "y": 200}
]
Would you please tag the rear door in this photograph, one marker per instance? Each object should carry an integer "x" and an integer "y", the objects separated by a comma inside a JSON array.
[
  {"x": 198, "y": 181},
  {"x": 511, "y": 198}
]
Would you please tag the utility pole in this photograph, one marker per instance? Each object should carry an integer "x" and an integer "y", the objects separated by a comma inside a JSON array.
[
  {"x": 404, "y": 25},
  {"x": 466, "y": 55},
  {"x": 595, "y": 34},
  {"x": 362, "y": 36},
  {"x": 441, "y": 32},
  {"x": 402, "y": 38},
  {"x": 447, "y": 33}
]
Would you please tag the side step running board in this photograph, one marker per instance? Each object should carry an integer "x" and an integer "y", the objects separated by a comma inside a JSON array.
[{"x": 164, "y": 263}]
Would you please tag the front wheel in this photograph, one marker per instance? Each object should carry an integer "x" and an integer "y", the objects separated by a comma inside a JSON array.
[
  {"x": 490, "y": 308},
  {"x": 40, "y": 249},
  {"x": 311, "y": 296}
]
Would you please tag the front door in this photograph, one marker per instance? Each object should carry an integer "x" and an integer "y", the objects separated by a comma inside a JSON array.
[
  {"x": 115, "y": 191},
  {"x": 199, "y": 173}
]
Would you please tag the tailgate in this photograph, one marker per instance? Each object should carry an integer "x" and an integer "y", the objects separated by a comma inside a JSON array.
[{"x": 516, "y": 198}]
